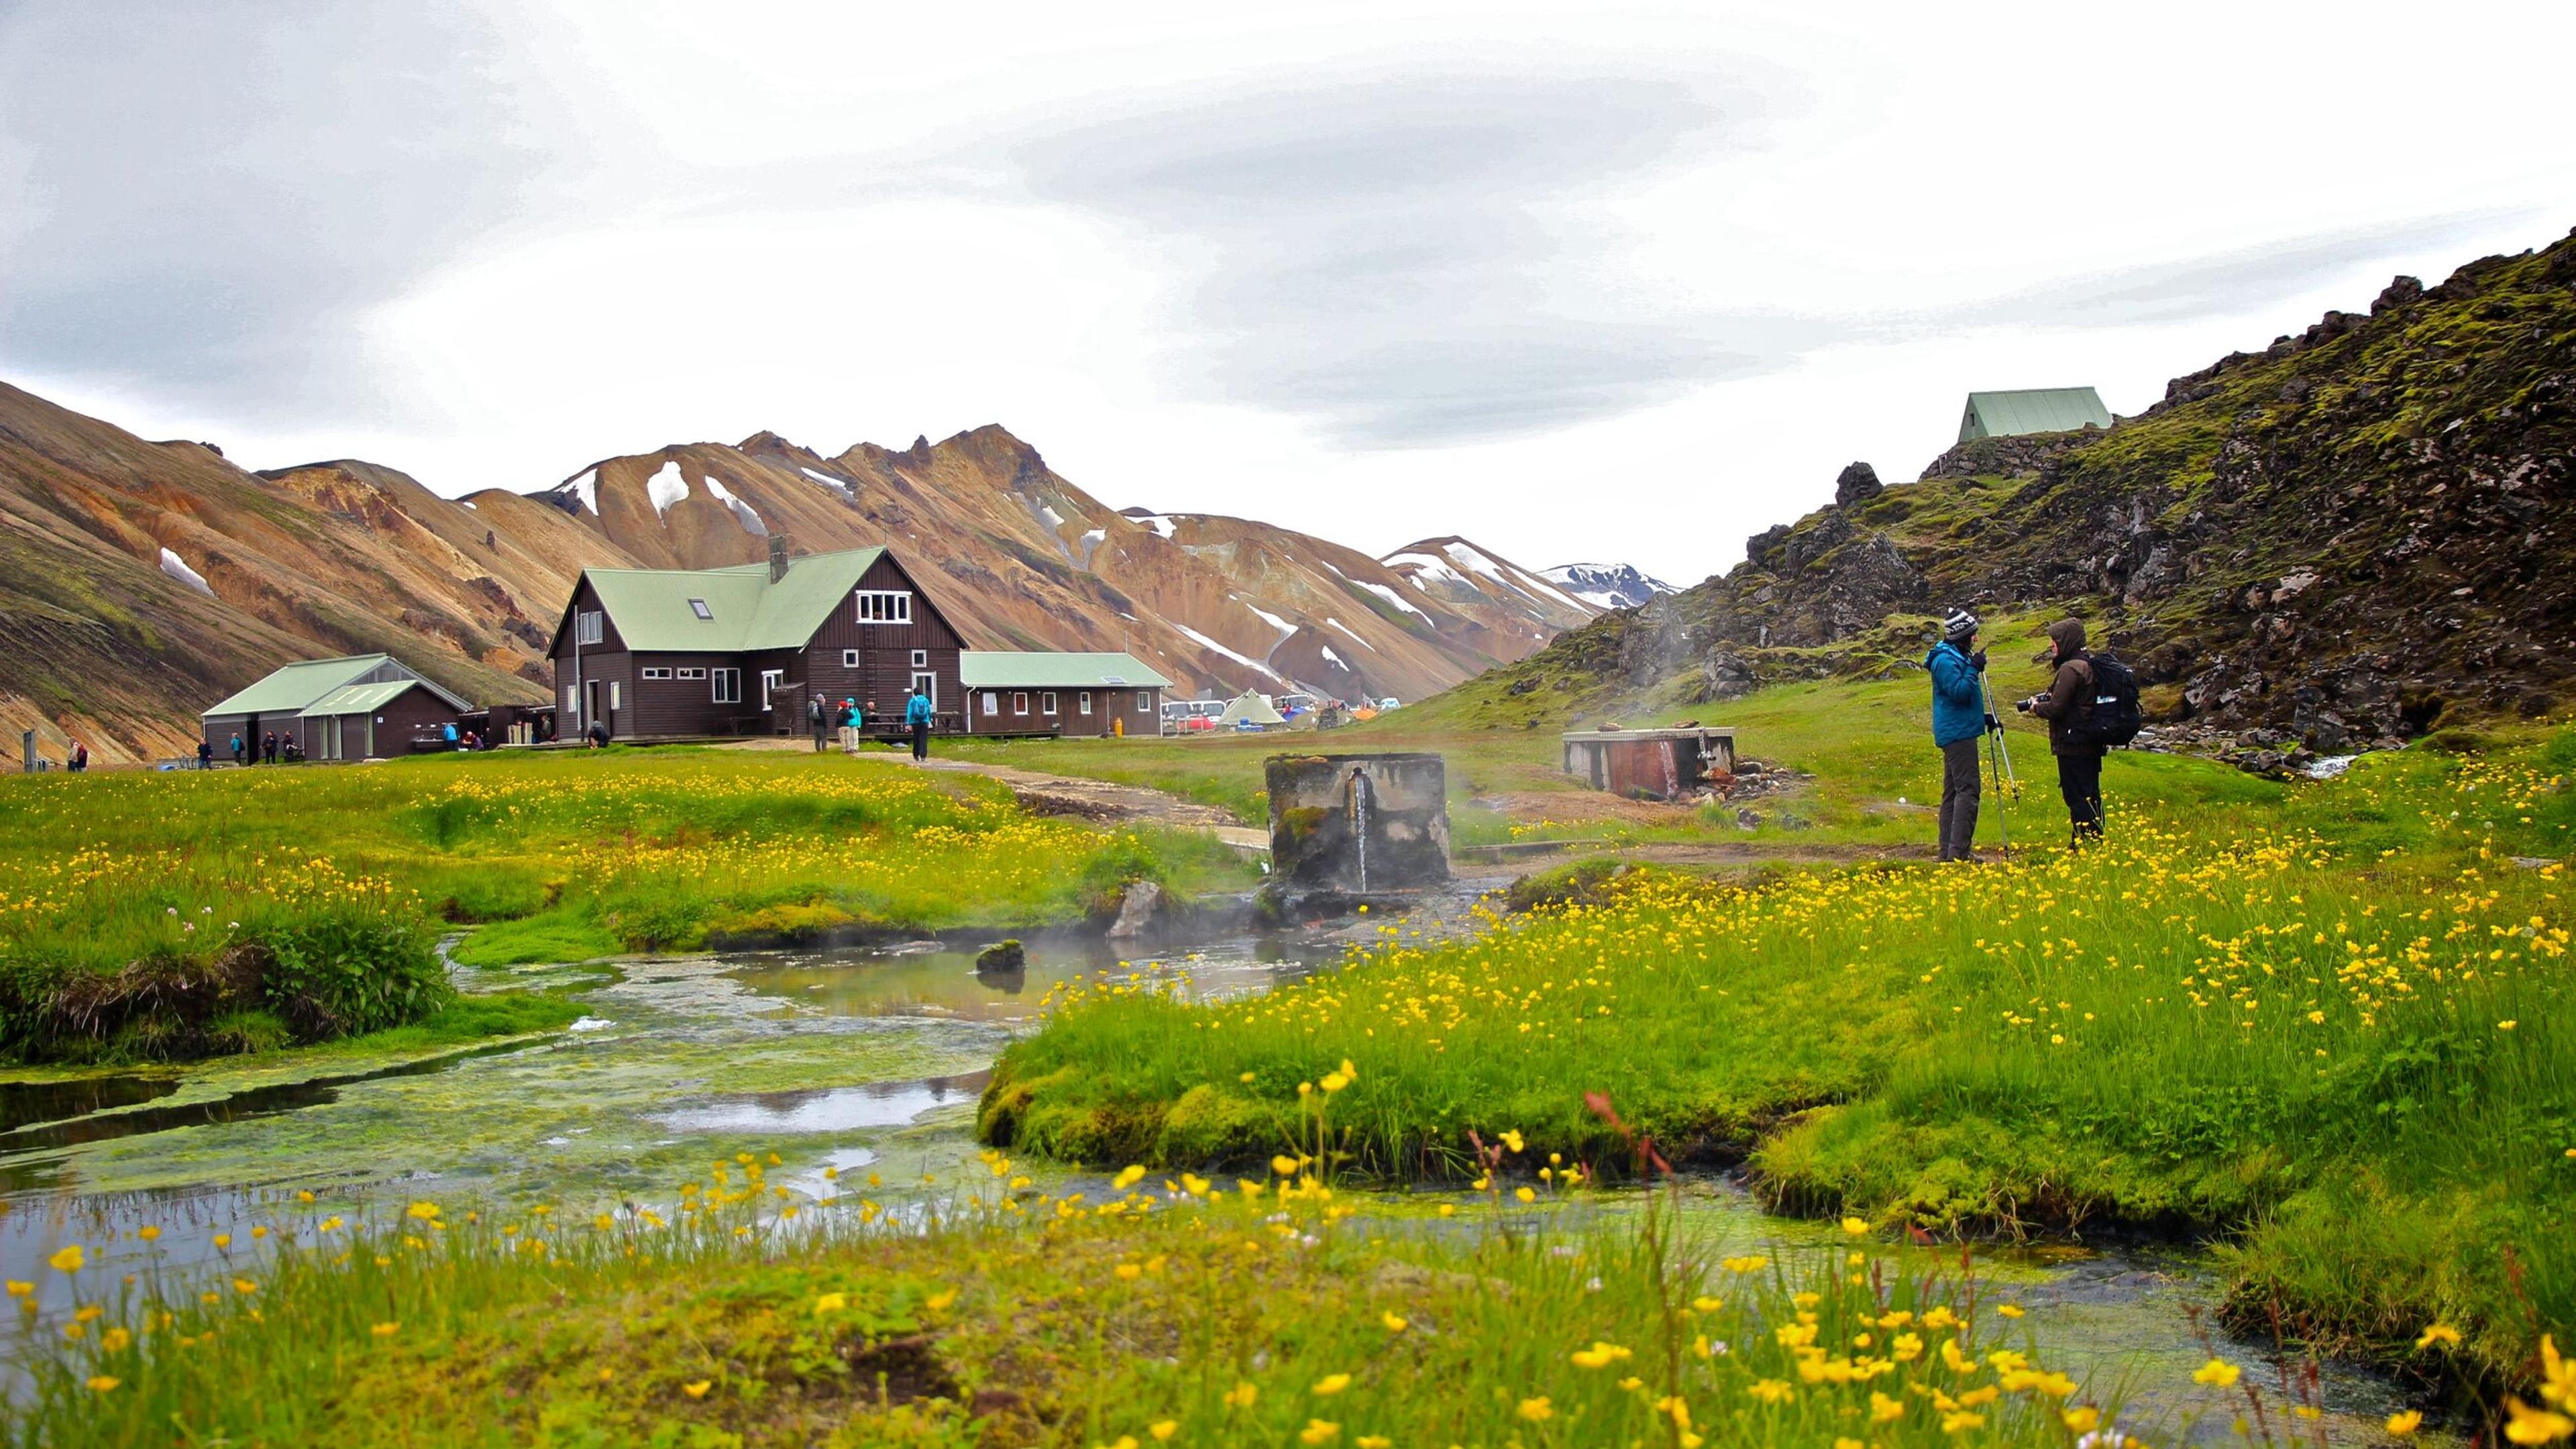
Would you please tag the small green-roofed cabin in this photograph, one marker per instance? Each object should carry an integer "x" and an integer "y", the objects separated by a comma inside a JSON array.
[
  {"x": 1013, "y": 693},
  {"x": 355, "y": 707},
  {"x": 688, "y": 653},
  {"x": 2032, "y": 410}
]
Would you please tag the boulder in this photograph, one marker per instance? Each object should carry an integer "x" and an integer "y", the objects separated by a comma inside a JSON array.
[
  {"x": 1136, "y": 909},
  {"x": 1857, "y": 484}
]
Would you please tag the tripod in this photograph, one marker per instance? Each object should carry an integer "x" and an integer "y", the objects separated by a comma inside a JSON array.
[{"x": 1999, "y": 764}]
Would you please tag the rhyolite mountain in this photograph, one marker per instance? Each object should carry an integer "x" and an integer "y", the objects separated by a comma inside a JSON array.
[
  {"x": 140, "y": 581},
  {"x": 2343, "y": 540},
  {"x": 1608, "y": 586}
]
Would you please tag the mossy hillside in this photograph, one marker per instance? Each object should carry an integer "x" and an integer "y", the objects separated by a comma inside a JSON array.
[
  {"x": 2342, "y": 536},
  {"x": 2197, "y": 1026}
]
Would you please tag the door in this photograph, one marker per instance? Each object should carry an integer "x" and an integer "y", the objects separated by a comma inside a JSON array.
[
  {"x": 770, "y": 680},
  {"x": 594, "y": 704}
]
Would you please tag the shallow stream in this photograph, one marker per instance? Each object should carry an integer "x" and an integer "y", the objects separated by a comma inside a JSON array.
[{"x": 869, "y": 1061}]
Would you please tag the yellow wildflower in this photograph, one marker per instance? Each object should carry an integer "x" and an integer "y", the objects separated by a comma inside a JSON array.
[
  {"x": 1331, "y": 1384},
  {"x": 1319, "y": 1431},
  {"x": 2218, "y": 1373},
  {"x": 699, "y": 1389},
  {"x": 2437, "y": 1333},
  {"x": 2406, "y": 1423},
  {"x": 1538, "y": 1410},
  {"x": 69, "y": 1259}
]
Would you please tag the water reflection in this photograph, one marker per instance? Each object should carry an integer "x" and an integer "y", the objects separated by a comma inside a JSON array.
[
  {"x": 835, "y": 1109},
  {"x": 941, "y": 981}
]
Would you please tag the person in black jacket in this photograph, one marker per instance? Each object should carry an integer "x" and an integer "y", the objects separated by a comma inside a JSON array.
[{"x": 2070, "y": 698}]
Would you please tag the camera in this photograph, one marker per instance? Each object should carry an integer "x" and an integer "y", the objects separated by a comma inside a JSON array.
[{"x": 2022, "y": 705}]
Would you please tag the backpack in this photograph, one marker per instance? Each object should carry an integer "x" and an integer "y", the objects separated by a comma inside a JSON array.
[{"x": 2112, "y": 718}]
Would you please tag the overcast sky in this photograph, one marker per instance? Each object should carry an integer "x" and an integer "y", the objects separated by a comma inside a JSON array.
[{"x": 1581, "y": 281}]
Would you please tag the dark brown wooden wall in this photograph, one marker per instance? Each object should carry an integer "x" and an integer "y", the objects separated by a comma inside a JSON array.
[
  {"x": 885, "y": 651},
  {"x": 1108, "y": 705}
]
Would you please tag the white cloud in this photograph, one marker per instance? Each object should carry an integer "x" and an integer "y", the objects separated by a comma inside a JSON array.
[{"x": 1533, "y": 273}]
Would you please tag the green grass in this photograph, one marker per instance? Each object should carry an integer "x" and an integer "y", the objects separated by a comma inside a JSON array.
[
  {"x": 1052, "y": 1321},
  {"x": 2252, "y": 1003},
  {"x": 171, "y": 915}
]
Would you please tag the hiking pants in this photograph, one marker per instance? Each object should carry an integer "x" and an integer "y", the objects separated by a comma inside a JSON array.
[
  {"x": 921, "y": 741},
  {"x": 2079, "y": 779},
  {"x": 1961, "y": 791},
  {"x": 819, "y": 736}
]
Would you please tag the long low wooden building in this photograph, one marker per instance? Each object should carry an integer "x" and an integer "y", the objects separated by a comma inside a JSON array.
[
  {"x": 1016, "y": 693},
  {"x": 356, "y": 707}
]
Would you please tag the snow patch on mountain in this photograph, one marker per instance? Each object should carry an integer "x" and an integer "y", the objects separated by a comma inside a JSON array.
[
  {"x": 1356, "y": 639},
  {"x": 586, "y": 488},
  {"x": 743, "y": 513},
  {"x": 666, "y": 488},
  {"x": 177, "y": 568},
  {"x": 1513, "y": 579},
  {"x": 1382, "y": 591},
  {"x": 1205, "y": 642},
  {"x": 835, "y": 484}
]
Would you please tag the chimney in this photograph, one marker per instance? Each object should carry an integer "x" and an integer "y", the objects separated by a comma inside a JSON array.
[{"x": 777, "y": 557}]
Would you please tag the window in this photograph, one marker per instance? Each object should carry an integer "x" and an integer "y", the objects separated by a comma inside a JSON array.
[
  {"x": 770, "y": 680},
  {"x": 699, "y": 608},
  {"x": 921, "y": 659},
  {"x": 1083, "y": 704},
  {"x": 589, "y": 627},
  {"x": 728, "y": 685},
  {"x": 692, "y": 673},
  {"x": 615, "y": 702},
  {"x": 1144, "y": 701},
  {"x": 849, "y": 659},
  {"x": 885, "y": 606},
  {"x": 992, "y": 702},
  {"x": 1019, "y": 702},
  {"x": 653, "y": 671},
  {"x": 927, "y": 686},
  {"x": 1046, "y": 701},
  {"x": 572, "y": 701}
]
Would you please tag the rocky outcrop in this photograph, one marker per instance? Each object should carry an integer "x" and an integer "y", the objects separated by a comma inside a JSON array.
[
  {"x": 2337, "y": 542},
  {"x": 1857, "y": 483}
]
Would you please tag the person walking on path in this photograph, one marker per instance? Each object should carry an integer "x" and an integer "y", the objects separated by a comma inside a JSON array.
[
  {"x": 238, "y": 761},
  {"x": 2068, "y": 701},
  {"x": 268, "y": 748},
  {"x": 78, "y": 760},
  {"x": 1958, "y": 728},
  {"x": 205, "y": 754},
  {"x": 815, "y": 720},
  {"x": 916, "y": 713},
  {"x": 851, "y": 719}
]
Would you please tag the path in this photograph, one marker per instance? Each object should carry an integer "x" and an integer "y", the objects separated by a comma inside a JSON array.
[{"x": 1099, "y": 801}]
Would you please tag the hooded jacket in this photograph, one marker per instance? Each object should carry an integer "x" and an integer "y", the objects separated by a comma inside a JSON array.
[
  {"x": 1958, "y": 703},
  {"x": 2070, "y": 694}
]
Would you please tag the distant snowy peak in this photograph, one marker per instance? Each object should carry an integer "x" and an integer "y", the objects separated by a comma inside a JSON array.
[
  {"x": 1460, "y": 574},
  {"x": 1608, "y": 586}
]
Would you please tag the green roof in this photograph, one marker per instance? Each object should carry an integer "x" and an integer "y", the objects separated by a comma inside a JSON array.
[
  {"x": 361, "y": 698},
  {"x": 291, "y": 687},
  {"x": 746, "y": 610},
  {"x": 2032, "y": 410},
  {"x": 1004, "y": 669}
]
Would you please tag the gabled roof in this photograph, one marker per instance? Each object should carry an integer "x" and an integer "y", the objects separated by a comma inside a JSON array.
[
  {"x": 747, "y": 611},
  {"x": 1004, "y": 669},
  {"x": 291, "y": 687},
  {"x": 2032, "y": 410},
  {"x": 368, "y": 698}
]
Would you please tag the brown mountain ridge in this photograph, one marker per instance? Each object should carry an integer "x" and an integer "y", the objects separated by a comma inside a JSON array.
[{"x": 140, "y": 581}]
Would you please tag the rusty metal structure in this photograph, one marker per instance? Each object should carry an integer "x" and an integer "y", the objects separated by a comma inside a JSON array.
[{"x": 1649, "y": 764}]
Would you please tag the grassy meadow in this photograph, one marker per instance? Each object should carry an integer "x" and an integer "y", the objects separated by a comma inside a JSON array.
[
  {"x": 2330, "y": 1021},
  {"x": 1861, "y": 740},
  {"x": 1266, "y": 1312},
  {"x": 157, "y": 915}
]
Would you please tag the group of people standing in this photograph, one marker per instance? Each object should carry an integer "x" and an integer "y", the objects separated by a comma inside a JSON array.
[
  {"x": 269, "y": 749},
  {"x": 2091, "y": 704},
  {"x": 849, "y": 719}
]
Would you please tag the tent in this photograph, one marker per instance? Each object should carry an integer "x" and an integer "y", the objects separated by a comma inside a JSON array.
[{"x": 1249, "y": 710}]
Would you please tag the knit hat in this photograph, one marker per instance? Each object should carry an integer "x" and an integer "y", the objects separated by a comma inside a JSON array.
[{"x": 1959, "y": 625}]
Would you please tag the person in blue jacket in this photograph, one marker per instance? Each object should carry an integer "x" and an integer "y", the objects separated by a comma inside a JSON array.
[
  {"x": 1959, "y": 724},
  {"x": 916, "y": 713}
]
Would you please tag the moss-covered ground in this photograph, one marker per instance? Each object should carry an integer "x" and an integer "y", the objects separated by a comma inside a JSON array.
[
  {"x": 724, "y": 1311},
  {"x": 2324, "y": 1020},
  {"x": 147, "y": 916}
]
